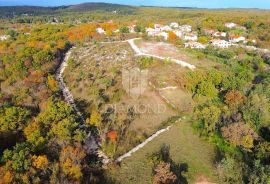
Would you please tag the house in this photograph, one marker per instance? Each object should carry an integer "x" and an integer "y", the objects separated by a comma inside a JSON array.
[
  {"x": 158, "y": 27},
  {"x": 178, "y": 33},
  {"x": 131, "y": 28},
  {"x": 221, "y": 43},
  {"x": 164, "y": 35},
  {"x": 185, "y": 28},
  {"x": 4, "y": 37},
  {"x": 230, "y": 25},
  {"x": 191, "y": 37},
  {"x": 100, "y": 30},
  {"x": 174, "y": 25},
  {"x": 166, "y": 28},
  {"x": 151, "y": 32},
  {"x": 236, "y": 39},
  {"x": 194, "y": 45},
  {"x": 220, "y": 34}
]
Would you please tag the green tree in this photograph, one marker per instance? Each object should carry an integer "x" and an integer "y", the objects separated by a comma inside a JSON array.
[{"x": 13, "y": 118}]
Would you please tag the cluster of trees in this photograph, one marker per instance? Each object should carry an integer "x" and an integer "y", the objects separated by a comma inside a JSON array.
[
  {"x": 233, "y": 111},
  {"x": 42, "y": 138}
]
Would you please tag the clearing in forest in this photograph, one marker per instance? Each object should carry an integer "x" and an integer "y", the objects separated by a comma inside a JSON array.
[
  {"x": 171, "y": 51},
  {"x": 95, "y": 78},
  {"x": 190, "y": 153}
]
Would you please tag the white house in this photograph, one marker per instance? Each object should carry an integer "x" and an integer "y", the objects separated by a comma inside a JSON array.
[
  {"x": 132, "y": 28},
  {"x": 100, "y": 30},
  {"x": 166, "y": 28},
  {"x": 236, "y": 39},
  {"x": 230, "y": 25},
  {"x": 164, "y": 35},
  {"x": 194, "y": 45},
  {"x": 174, "y": 25},
  {"x": 185, "y": 28},
  {"x": 158, "y": 27},
  {"x": 4, "y": 37},
  {"x": 151, "y": 32},
  {"x": 191, "y": 37},
  {"x": 221, "y": 43},
  {"x": 178, "y": 33},
  {"x": 220, "y": 34}
]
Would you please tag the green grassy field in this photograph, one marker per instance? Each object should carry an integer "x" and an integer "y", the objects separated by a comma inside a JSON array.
[{"x": 185, "y": 148}]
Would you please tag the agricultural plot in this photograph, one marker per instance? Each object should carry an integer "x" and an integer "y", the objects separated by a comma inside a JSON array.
[
  {"x": 171, "y": 51},
  {"x": 95, "y": 76}
]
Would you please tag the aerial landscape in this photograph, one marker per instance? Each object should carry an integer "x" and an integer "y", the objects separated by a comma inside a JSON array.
[{"x": 120, "y": 92}]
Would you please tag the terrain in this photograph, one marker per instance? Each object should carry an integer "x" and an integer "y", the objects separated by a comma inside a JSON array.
[{"x": 83, "y": 85}]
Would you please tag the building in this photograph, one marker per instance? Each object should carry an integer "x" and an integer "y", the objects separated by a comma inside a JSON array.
[
  {"x": 158, "y": 27},
  {"x": 151, "y": 32},
  {"x": 164, "y": 35},
  {"x": 166, "y": 28},
  {"x": 174, "y": 25},
  {"x": 221, "y": 43},
  {"x": 194, "y": 45},
  {"x": 220, "y": 34},
  {"x": 191, "y": 37},
  {"x": 236, "y": 39},
  {"x": 100, "y": 30},
  {"x": 4, "y": 37},
  {"x": 185, "y": 28},
  {"x": 178, "y": 33},
  {"x": 230, "y": 25},
  {"x": 131, "y": 28}
]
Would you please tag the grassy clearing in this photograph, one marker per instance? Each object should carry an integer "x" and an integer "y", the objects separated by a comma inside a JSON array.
[
  {"x": 185, "y": 148},
  {"x": 169, "y": 50}
]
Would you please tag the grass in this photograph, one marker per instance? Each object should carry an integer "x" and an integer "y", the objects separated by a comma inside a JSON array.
[{"x": 186, "y": 147}]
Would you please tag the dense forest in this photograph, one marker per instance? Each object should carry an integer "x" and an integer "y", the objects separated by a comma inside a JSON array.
[{"x": 42, "y": 138}]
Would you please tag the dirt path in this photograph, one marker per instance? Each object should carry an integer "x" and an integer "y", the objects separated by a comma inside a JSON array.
[
  {"x": 70, "y": 99},
  {"x": 140, "y": 53}
]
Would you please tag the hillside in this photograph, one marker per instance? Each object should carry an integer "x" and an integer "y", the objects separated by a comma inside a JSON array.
[{"x": 12, "y": 11}]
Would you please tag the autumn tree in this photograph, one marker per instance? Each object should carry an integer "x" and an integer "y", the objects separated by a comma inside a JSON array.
[
  {"x": 163, "y": 174},
  {"x": 72, "y": 160},
  {"x": 172, "y": 36},
  {"x": 239, "y": 134},
  {"x": 234, "y": 99},
  {"x": 52, "y": 83}
]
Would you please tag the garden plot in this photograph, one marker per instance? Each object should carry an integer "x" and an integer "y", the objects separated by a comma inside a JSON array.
[{"x": 171, "y": 51}]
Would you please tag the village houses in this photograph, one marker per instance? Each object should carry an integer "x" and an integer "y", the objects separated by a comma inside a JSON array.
[
  {"x": 100, "y": 30},
  {"x": 220, "y": 34},
  {"x": 174, "y": 25},
  {"x": 236, "y": 39},
  {"x": 230, "y": 25},
  {"x": 191, "y": 37},
  {"x": 221, "y": 43},
  {"x": 131, "y": 28},
  {"x": 194, "y": 45}
]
